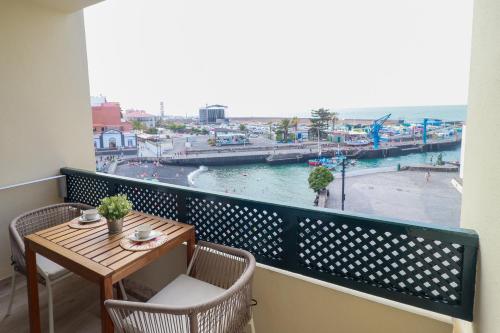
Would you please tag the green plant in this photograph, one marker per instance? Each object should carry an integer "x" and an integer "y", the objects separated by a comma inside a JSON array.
[
  {"x": 320, "y": 119},
  {"x": 115, "y": 207},
  {"x": 284, "y": 125},
  {"x": 319, "y": 178},
  {"x": 152, "y": 130},
  {"x": 440, "y": 159},
  {"x": 335, "y": 118},
  {"x": 137, "y": 125},
  {"x": 295, "y": 123},
  {"x": 174, "y": 127}
]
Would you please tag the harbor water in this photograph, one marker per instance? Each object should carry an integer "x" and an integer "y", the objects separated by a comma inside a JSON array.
[{"x": 288, "y": 183}]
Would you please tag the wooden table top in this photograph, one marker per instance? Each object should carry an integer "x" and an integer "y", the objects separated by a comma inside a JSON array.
[{"x": 95, "y": 254}]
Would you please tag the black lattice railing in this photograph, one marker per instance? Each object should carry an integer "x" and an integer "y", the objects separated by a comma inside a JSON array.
[
  {"x": 397, "y": 262},
  {"x": 423, "y": 265}
]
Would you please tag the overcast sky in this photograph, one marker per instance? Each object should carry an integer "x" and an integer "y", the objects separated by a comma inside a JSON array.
[{"x": 278, "y": 57}]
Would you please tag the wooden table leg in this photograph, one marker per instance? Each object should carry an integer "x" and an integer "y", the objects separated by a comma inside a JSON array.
[
  {"x": 106, "y": 293},
  {"x": 32, "y": 276},
  {"x": 190, "y": 245}
]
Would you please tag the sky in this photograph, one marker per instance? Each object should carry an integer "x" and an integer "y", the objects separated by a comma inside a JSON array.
[{"x": 278, "y": 57}]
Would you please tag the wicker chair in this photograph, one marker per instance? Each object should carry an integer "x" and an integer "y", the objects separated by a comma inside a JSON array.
[
  {"x": 48, "y": 271},
  {"x": 214, "y": 296}
]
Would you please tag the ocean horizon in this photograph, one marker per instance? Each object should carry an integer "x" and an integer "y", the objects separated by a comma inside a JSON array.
[{"x": 410, "y": 113}]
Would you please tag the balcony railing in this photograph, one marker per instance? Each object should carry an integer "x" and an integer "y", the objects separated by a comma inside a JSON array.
[{"x": 423, "y": 265}]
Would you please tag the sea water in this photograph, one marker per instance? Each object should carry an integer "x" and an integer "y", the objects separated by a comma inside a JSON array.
[
  {"x": 288, "y": 183},
  {"x": 408, "y": 113}
]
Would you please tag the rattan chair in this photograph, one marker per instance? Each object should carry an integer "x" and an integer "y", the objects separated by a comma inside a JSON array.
[
  {"x": 213, "y": 297},
  {"x": 48, "y": 271}
]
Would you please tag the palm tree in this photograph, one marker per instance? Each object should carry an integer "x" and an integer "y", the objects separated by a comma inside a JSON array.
[
  {"x": 270, "y": 130},
  {"x": 334, "y": 118},
  {"x": 295, "y": 123},
  {"x": 137, "y": 125},
  {"x": 285, "y": 124}
]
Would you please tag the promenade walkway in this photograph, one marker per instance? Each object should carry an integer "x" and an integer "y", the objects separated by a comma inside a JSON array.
[{"x": 402, "y": 195}]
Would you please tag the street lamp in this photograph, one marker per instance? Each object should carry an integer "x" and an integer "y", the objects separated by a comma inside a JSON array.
[{"x": 343, "y": 181}]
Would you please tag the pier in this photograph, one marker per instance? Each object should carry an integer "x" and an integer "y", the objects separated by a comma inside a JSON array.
[{"x": 299, "y": 153}]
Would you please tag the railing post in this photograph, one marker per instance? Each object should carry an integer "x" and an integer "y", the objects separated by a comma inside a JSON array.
[
  {"x": 112, "y": 187},
  {"x": 183, "y": 207},
  {"x": 468, "y": 281},
  {"x": 291, "y": 239}
]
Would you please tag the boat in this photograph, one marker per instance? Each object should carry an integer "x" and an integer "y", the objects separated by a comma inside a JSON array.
[{"x": 327, "y": 162}]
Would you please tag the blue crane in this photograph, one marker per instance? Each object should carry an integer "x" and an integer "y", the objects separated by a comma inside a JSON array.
[
  {"x": 376, "y": 126},
  {"x": 436, "y": 122}
]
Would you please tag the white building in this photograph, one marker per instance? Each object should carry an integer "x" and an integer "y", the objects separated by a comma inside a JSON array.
[{"x": 114, "y": 140}]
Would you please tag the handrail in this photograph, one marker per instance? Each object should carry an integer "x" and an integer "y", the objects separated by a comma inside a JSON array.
[
  {"x": 429, "y": 266},
  {"x": 40, "y": 180}
]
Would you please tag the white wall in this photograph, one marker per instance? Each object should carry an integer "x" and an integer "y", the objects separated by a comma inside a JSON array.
[
  {"x": 45, "y": 118},
  {"x": 481, "y": 190},
  {"x": 106, "y": 137},
  {"x": 130, "y": 136},
  {"x": 462, "y": 151}
]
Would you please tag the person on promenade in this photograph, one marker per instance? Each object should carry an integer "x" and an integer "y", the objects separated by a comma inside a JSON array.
[{"x": 428, "y": 176}]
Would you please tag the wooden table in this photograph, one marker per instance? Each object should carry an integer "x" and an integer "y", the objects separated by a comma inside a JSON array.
[{"x": 97, "y": 256}]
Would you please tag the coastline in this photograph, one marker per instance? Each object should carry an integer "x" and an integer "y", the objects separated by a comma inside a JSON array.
[
  {"x": 262, "y": 180},
  {"x": 192, "y": 174},
  {"x": 170, "y": 174}
]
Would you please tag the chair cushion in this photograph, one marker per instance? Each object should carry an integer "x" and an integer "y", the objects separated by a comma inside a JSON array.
[
  {"x": 186, "y": 291},
  {"x": 50, "y": 268},
  {"x": 183, "y": 291}
]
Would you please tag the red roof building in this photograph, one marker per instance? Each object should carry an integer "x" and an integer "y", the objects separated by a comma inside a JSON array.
[
  {"x": 107, "y": 116},
  {"x": 149, "y": 120}
]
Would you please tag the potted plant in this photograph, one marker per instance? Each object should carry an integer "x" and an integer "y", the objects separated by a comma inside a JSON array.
[{"x": 114, "y": 210}]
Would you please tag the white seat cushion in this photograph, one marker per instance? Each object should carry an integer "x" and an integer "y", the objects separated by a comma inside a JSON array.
[
  {"x": 186, "y": 291},
  {"x": 50, "y": 268},
  {"x": 183, "y": 291}
]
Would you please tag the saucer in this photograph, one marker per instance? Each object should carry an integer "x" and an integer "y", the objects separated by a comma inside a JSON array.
[
  {"x": 82, "y": 220},
  {"x": 152, "y": 235}
]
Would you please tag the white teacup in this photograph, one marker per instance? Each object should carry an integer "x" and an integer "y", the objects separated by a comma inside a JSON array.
[
  {"x": 90, "y": 214},
  {"x": 143, "y": 231}
]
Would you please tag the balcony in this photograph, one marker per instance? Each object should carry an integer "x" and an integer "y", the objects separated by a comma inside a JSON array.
[
  {"x": 310, "y": 260},
  {"x": 318, "y": 270}
]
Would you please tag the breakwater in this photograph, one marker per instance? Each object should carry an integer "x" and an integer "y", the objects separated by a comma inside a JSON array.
[{"x": 248, "y": 157}]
